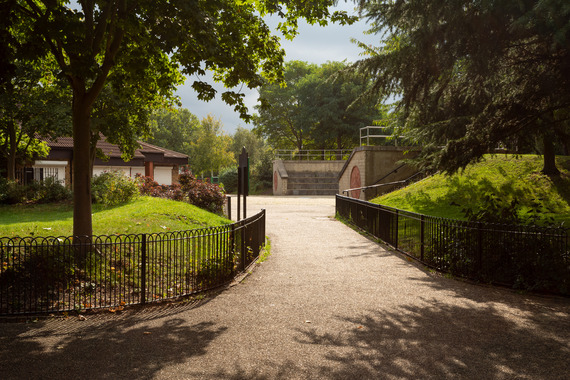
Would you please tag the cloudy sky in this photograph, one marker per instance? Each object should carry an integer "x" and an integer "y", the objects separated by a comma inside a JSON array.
[{"x": 314, "y": 44}]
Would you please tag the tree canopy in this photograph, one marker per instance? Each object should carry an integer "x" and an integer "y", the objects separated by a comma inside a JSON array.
[
  {"x": 472, "y": 76},
  {"x": 317, "y": 108},
  {"x": 173, "y": 128},
  {"x": 136, "y": 51},
  {"x": 210, "y": 148}
]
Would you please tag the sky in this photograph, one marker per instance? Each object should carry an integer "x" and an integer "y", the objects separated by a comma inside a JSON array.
[{"x": 313, "y": 44}]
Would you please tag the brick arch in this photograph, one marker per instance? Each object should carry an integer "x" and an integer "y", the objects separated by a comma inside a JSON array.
[
  {"x": 275, "y": 181},
  {"x": 355, "y": 181}
]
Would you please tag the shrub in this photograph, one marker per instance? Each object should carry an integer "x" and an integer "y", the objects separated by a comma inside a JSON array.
[
  {"x": 11, "y": 192},
  {"x": 51, "y": 190},
  {"x": 148, "y": 186},
  {"x": 202, "y": 194},
  {"x": 229, "y": 177},
  {"x": 213, "y": 271},
  {"x": 113, "y": 188}
]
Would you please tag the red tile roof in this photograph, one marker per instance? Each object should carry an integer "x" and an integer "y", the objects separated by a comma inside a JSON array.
[{"x": 113, "y": 150}]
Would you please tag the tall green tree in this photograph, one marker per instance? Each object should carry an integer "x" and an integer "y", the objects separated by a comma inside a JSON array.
[
  {"x": 31, "y": 105},
  {"x": 140, "y": 47},
  {"x": 280, "y": 118},
  {"x": 321, "y": 107},
  {"x": 173, "y": 128},
  {"x": 254, "y": 145},
  {"x": 335, "y": 104},
  {"x": 210, "y": 149},
  {"x": 473, "y": 75}
]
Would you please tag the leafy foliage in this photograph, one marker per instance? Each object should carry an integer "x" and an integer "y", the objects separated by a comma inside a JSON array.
[
  {"x": 173, "y": 129},
  {"x": 229, "y": 178},
  {"x": 202, "y": 194},
  {"x": 113, "y": 188},
  {"x": 210, "y": 148},
  {"x": 472, "y": 76},
  {"x": 136, "y": 51},
  {"x": 47, "y": 191},
  {"x": 494, "y": 190},
  {"x": 317, "y": 108}
]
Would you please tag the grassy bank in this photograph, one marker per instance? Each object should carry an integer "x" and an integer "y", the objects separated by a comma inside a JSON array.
[
  {"x": 143, "y": 215},
  {"x": 505, "y": 177}
]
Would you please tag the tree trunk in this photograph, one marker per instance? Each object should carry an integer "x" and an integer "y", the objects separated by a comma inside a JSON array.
[
  {"x": 82, "y": 223},
  {"x": 549, "y": 155}
]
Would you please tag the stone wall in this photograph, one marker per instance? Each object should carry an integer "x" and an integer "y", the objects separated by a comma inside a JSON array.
[{"x": 368, "y": 164}]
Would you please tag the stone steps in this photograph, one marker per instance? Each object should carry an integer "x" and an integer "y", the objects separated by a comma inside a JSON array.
[{"x": 312, "y": 183}]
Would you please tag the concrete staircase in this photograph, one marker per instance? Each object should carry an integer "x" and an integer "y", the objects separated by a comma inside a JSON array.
[{"x": 312, "y": 183}]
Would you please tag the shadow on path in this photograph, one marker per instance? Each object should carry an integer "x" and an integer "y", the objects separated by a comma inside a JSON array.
[{"x": 136, "y": 346}]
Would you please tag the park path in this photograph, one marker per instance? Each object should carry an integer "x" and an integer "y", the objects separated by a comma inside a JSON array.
[{"x": 328, "y": 303}]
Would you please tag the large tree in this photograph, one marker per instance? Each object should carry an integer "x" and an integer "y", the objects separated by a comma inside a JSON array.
[
  {"x": 139, "y": 47},
  {"x": 173, "y": 128},
  {"x": 280, "y": 118},
  {"x": 333, "y": 101},
  {"x": 31, "y": 100},
  {"x": 320, "y": 107},
  {"x": 210, "y": 149},
  {"x": 472, "y": 76}
]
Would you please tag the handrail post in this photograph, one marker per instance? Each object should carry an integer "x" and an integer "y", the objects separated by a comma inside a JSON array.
[
  {"x": 396, "y": 228},
  {"x": 422, "y": 228},
  {"x": 143, "y": 269},
  {"x": 480, "y": 248}
]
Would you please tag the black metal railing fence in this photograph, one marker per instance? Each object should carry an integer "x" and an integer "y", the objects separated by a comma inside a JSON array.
[
  {"x": 55, "y": 274},
  {"x": 526, "y": 257}
]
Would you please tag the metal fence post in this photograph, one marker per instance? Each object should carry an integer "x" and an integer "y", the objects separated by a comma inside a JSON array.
[
  {"x": 143, "y": 269},
  {"x": 396, "y": 228},
  {"x": 422, "y": 228},
  {"x": 480, "y": 247}
]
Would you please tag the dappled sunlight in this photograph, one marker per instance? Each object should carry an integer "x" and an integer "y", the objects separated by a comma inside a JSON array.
[{"x": 132, "y": 349}]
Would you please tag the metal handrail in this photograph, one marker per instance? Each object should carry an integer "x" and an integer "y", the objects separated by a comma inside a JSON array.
[
  {"x": 382, "y": 184},
  {"x": 311, "y": 154}
]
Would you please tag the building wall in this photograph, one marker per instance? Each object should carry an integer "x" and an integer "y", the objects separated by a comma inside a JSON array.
[
  {"x": 372, "y": 163},
  {"x": 129, "y": 171},
  {"x": 281, "y": 170},
  {"x": 163, "y": 175},
  {"x": 57, "y": 167}
]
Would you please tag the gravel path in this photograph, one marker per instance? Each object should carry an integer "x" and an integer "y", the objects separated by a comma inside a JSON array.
[{"x": 328, "y": 303}]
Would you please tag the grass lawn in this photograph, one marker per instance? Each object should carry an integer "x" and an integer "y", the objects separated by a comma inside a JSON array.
[
  {"x": 143, "y": 215},
  {"x": 506, "y": 177}
]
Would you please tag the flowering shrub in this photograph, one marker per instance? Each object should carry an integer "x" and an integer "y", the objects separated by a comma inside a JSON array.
[
  {"x": 202, "y": 194},
  {"x": 148, "y": 186}
]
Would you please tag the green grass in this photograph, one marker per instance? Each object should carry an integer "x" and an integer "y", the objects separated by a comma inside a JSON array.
[
  {"x": 506, "y": 177},
  {"x": 143, "y": 215}
]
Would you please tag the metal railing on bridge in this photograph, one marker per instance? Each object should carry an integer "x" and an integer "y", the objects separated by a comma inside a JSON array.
[{"x": 323, "y": 155}]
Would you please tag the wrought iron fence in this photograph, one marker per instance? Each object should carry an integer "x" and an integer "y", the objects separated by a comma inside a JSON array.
[
  {"x": 51, "y": 274},
  {"x": 525, "y": 257}
]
